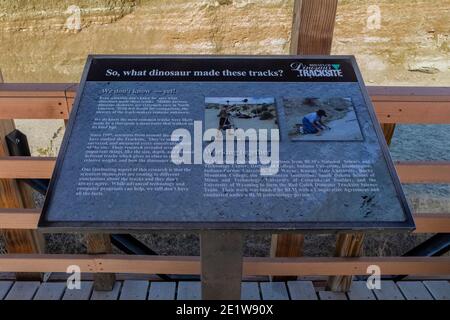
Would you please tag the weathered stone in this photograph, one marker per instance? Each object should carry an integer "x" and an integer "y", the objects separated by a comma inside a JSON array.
[
  {"x": 392, "y": 38},
  {"x": 36, "y": 46},
  {"x": 41, "y": 43}
]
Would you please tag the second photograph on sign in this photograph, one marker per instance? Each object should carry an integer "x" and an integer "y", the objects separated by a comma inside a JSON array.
[{"x": 327, "y": 119}]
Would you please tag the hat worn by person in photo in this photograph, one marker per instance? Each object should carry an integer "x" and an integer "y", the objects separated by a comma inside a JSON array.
[{"x": 321, "y": 113}]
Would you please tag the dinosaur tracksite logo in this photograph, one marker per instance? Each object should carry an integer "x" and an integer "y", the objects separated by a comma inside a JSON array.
[{"x": 317, "y": 70}]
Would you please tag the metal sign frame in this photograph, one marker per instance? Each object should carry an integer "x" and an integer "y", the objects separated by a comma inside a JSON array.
[{"x": 46, "y": 225}]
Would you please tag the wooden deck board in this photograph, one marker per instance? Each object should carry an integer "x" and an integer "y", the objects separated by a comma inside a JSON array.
[
  {"x": 107, "y": 295},
  {"x": 250, "y": 291},
  {"x": 302, "y": 290},
  {"x": 23, "y": 290},
  {"x": 50, "y": 291},
  {"x": 162, "y": 290},
  {"x": 414, "y": 290},
  {"x": 134, "y": 290},
  {"x": 439, "y": 289},
  {"x": 388, "y": 291},
  {"x": 188, "y": 290},
  {"x": 359, "y": 291},
  {"x": 274, "y": 291},
  {"x": 4, "y": 288},
  {"x": 79, "y": 294},
  {"x": 330, "y": 295}
]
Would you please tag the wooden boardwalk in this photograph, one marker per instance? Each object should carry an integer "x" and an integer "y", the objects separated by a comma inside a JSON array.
[{"x": 190, "y": 290}]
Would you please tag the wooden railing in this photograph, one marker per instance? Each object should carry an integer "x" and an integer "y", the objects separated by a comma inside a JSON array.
[{"x": 392, "y": 105}]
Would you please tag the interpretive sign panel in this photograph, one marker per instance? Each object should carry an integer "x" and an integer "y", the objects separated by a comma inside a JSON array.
[{"x": 201, "y": 142}]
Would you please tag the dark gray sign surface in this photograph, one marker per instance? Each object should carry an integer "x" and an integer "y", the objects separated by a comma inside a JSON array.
[{"x": 256, "y": 143}]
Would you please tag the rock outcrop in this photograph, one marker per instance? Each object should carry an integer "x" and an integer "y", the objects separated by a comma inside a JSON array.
[{"x": 396, "y": 42}]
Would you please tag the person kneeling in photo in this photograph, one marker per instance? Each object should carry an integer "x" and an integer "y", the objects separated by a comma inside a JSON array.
[{"x": 312, "y": 122}]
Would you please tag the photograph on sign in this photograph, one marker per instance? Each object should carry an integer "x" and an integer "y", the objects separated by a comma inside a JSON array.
[
  {"x": 244, "y": 113},
  {"x": 317, "y": 119}
]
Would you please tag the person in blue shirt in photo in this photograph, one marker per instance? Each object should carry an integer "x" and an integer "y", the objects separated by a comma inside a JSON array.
[{"x": 312, "y": 122}]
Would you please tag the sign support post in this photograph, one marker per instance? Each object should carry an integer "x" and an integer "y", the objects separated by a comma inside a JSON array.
[
  {"x": 312, "y": 33},
  {"x": 221, "y": 264},
  {"x": 347, "y": 245},
  {"x": 101, "y": 244}
]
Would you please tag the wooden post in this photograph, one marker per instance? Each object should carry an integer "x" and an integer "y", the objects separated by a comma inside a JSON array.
[
  {"x": 312, "y": 33},
  {"x": 388, "y": 130},
  {"x": 15, "y": 194},
  {"x": 221, "y": 261},
  {"x": 313, "y": 26},
  {"x": 101, "y": 244},
  {"x": 347, "y": 245},
  {"x": 286, "y": 245}
]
